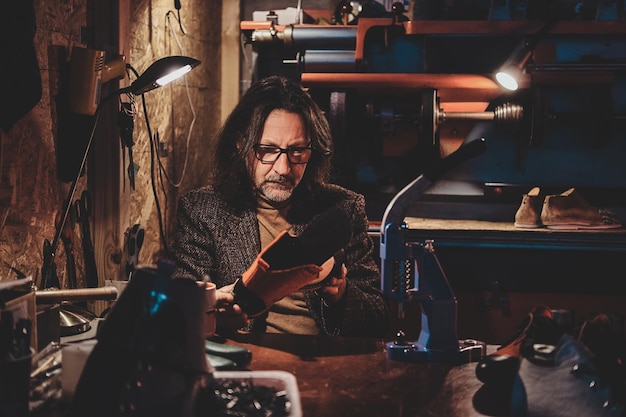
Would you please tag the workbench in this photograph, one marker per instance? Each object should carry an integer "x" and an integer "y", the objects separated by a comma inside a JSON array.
[
  {"x": 497, "y": 234},
  {"x": 499, "y": 272},
  {"x": 339, "y": 376}
]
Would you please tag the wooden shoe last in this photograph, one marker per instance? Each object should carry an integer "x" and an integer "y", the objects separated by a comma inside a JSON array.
[
  {"x": 570, "y": 211},
  {"x": 528, "y": 215}
]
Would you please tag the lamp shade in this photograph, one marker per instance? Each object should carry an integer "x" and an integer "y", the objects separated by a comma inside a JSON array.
[
  {"x": 160, "y": 73},
  {"x": 509, "y": 75}
]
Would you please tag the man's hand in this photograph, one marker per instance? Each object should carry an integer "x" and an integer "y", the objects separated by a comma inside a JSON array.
[
  {"x": 229, "y": 316},
  {"x": 334, "y": 288}
]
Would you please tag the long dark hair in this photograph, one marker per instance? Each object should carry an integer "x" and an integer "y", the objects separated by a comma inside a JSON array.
[{"x": 244, "y": 127}]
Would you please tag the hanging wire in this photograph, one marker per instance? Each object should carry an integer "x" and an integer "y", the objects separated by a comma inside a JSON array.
[
  {"x": 152, "y": 171},
  {"x": 177, "y": 183},
  {"x": 177, "y": 6},
  {"x": 157, "y": 169},
  {"x": 153, "y": 157}
]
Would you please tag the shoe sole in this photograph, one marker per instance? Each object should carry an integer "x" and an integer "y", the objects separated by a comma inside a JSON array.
[
  {"x": 583, "y": 226},
  {"x": 527, "y": 226}
]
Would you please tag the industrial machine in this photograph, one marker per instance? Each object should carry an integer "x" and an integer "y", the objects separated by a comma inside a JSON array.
[
  {"x": 403, "y": 92},
  {"x": 411, "y": 271}
]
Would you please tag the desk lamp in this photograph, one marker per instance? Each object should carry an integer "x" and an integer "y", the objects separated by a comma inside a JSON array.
[
  {"x": 509, "y": 75},
  {"x": 89, "y": 72}
]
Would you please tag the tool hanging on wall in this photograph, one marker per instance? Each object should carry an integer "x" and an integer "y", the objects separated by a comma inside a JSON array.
[
  {"x": 19, "y": 274},
  {"x": 74, "y": 318},
  {"x": 68, "y": 238},
  {"x": 126, "y": 122},
  {"x": 134, "y": 241},
  {"x": 49, "y": 277},
  {"x": 83, "y": 211}
]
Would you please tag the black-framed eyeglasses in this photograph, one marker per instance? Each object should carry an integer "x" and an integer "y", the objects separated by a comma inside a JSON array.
[{"x": 268, "y": 154}]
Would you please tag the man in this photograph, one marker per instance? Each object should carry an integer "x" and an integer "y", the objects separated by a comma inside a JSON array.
[{"x": 270, "y": 175}]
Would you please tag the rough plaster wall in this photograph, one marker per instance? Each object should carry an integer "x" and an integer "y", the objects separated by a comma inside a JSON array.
[{"x": 185, "y": 145}]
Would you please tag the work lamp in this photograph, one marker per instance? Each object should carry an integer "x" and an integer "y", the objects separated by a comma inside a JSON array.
[{"x": 88, "y": 71}]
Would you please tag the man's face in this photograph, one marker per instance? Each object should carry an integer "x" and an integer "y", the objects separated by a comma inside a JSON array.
[{"x": 275, "y": 181}]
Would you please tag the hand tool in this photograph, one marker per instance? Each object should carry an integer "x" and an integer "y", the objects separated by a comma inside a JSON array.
[
  {"x": 134, "y": 242},
  {"x": 83, "y": 211},
  {"x": 49, "y": 277},
  {"x": 68, "y": 238}
]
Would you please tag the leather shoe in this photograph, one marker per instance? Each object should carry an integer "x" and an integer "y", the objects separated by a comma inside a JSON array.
[{"x": 501, "y": 366}]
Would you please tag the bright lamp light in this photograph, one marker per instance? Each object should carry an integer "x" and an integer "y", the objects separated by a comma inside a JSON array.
[
  {"x": 160, "y": 73},
  {"x": 511, "y": 72}
]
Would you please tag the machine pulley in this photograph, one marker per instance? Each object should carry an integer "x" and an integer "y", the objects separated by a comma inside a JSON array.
[{"x": 432, "y": 116}]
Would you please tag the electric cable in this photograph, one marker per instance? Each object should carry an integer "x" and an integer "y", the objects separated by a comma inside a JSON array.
[
  {"x": 177, "y": 183},
  {"x": 157, "y": 169},
  {"x": 153, "y": 181},
  {"x": 152, "y": 171},
  {"x": 177, "y": 6}
]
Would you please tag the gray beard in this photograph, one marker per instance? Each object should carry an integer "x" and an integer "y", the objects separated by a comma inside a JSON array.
[{"x": 269, "y": 193}]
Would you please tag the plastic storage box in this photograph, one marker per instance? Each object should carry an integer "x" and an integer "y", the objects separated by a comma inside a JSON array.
[{"x": 277, "y": 380}]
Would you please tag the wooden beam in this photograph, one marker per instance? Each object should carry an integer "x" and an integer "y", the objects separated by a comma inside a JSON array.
[
  {"x": 111, "y": 28},
  {"x": 230, "y": 58}
]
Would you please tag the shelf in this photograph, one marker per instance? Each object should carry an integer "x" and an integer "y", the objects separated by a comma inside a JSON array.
[
  {"x": 470, "y": 233},
  {"x": 513, "y": 27},
  {"x": 472, "y": 27},
  {"x": 450, "y": 87}
]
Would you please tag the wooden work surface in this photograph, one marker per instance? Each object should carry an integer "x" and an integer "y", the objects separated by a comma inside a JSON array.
[
  {"x": 477, "y": 225},
  {"x": 504, "y": 234},
  {"x": 340, "y": 377}
]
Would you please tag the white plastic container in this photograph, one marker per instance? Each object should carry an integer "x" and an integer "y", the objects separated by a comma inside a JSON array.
[{"x": 278, "y": 380}]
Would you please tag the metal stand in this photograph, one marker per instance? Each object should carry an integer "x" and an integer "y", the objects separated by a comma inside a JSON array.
[
  {"x": 411, "y": 271},
  {"x": 415, "y": 273}
]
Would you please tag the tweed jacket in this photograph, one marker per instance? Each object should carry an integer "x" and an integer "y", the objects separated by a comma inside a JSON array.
[{"x": 214, "y": 239}]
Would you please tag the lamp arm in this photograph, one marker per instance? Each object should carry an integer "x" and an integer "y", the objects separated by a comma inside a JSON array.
[
  {"x": 47, "y": 268},
  {"x": 150, "y": 76},
  {"x": 67, "y": 205},
  {"x": 545, "y": 29},
  {"x": 153, "y": 157}
]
